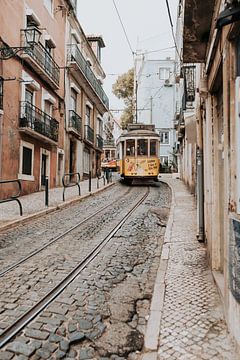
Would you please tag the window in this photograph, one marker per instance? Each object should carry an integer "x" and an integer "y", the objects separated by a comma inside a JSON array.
[
  {"x": 86, "y": 161},
  {"x": 1, "y": 93},
  {"x": 142, "y": 147},
  {"x": 49, "y": 5},
  {"x": 130, "y": 147},
  {"x": 88, "y": 115},
  {"x": 164, "y": 137},
  {"x": 164, "y": 160},
  {"x": 26, "y": 161},
  {"x": 153, "y": 148},
  {"x": 29, "y": 96},
  {"x": 99, "y": 127},
  {"x": 164, "y": 73},
  {"x": 73, "y": 100}
]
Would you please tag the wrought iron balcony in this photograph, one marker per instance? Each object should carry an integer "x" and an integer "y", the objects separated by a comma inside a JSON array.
[
  {"x": 109, "y": 142},
  {"x": 99, "y": 141},
  {"x": 38, "y": 121},
  {"x": 89, "y": 134},
  {"x": 75, "y": 122},
  {"x": 74, "y": 54},
  {"x": 43, "y": 63}
]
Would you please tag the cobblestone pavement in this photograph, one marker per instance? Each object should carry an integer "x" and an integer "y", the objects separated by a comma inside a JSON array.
[
  {"x": 192, "y": 323},
  {"x": 24, "y": 286},
  {"x": 35, "y": 202},
  {"x": 21, "y": 240},
  {"x": 102, "y": 314}
]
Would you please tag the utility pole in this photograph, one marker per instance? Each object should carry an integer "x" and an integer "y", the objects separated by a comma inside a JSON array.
[{"x": 151, "y": 109}]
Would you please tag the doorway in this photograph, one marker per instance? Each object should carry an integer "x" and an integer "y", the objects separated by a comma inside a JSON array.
[{"x": 44, "y": 167}]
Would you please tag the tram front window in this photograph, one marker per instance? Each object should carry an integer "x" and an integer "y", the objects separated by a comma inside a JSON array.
[
  {"x": 142, "y": 147},
  {"x": 153, "y": 148},
  {"x": 130, "y": 147}
]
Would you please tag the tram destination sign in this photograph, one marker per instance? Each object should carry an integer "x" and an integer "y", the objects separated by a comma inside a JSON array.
[{"x": 234, "y": 258}]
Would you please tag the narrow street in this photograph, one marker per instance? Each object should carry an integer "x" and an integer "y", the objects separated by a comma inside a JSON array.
[
  {"x": 103, "y": 312},
  {"x": 147, "y": 293}
]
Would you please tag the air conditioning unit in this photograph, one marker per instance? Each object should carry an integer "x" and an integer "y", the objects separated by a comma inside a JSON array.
[{"x": 167, "y": 82}]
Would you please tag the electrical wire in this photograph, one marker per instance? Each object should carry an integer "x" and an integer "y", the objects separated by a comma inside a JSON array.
[
  {"x": 171, "y": 23},
  {"x": 123, "y": 27},
  {"x": 153, "y": 51}
]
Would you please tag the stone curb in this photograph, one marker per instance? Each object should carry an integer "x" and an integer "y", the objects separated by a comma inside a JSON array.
[
  {"x": 156, "y": 309},
  {"x": 51, "y": 209}
]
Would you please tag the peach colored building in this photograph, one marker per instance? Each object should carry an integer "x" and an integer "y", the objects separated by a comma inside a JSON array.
[{"x": 51, "y": 98}]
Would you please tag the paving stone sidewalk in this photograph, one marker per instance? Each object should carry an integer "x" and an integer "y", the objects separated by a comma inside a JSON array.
[
  {"x": 187, "y": 319},
  {"x": 35, "y": 202}
]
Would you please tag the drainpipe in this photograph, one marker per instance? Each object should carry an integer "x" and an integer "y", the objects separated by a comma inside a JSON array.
[{"x": 200, "y": 196}]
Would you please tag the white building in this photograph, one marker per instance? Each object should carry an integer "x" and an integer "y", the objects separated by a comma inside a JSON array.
[{"x": 155, "y": 82}]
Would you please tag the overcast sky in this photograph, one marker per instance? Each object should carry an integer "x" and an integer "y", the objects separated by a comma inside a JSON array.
[{"x": 147, "y": 26}]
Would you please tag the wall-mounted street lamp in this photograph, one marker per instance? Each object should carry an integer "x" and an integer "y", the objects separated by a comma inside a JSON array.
[{"x": 32, "y": 37}]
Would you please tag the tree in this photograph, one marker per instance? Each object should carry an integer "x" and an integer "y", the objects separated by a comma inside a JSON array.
[{"x": 123, "y": 89}]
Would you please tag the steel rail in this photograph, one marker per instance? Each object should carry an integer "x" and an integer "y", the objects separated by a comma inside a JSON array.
[
  {"x": 19, "y": 324},
  {"x": 16, "y": 264}
]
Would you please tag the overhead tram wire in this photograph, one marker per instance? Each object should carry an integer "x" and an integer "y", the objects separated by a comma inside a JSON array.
[
  {"x": 123, "y": 27},
  {"x": 173, "y": 35}
]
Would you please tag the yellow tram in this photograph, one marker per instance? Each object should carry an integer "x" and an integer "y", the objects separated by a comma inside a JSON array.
[{"x": 138, "y": 151}]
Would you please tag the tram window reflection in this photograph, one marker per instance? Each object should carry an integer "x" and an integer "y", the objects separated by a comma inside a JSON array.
[
  {"x": 153, "y": 148},
  {"x": 130, "y": 147},
  {"x": 142, "y": 147}
]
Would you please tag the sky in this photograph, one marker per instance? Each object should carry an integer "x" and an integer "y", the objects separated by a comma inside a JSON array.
[{"x": 147, "y": 27}]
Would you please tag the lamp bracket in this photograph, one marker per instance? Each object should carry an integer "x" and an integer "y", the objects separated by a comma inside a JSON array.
[{"x": 9, "y": 52}]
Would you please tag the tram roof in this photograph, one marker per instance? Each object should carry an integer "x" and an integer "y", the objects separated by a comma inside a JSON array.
[{"x": 140, "y": 133}]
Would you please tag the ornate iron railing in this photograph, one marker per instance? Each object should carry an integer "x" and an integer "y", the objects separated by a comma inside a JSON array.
[
  {"x": 45, "y": 61},
  {"x": 74, "y": 54},
  {"x": 37, "y": 120},
  {"x": 75, "y": 121},
  {"x": 99, "y": 141},
  {"x": 89, "y": 133}
]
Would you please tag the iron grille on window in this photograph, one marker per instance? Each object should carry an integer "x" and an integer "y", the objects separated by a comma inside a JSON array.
[
  {"x": 189, "y": 83},
  {"x": 1, "y": 93}
]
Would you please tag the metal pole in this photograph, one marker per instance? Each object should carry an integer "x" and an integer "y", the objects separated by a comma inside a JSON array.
[
  {"x": 151, "y": 101},
  {"x": 200, "y": 196},
  {"x": 136, "y": 88},
  {"x": 90, "y": 181},
  {"x": 46, "y": 191}
]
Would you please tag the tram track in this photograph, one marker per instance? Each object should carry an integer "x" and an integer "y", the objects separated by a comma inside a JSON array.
[
  {"x": 37, "y": 251},
  {"x": 11, "y": 331}
]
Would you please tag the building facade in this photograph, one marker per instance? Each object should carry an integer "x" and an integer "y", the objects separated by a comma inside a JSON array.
[
  {"x": 211, "y": 39},
  {"x": 155, "y": 102},
  {"x": 51, "y": 96}
]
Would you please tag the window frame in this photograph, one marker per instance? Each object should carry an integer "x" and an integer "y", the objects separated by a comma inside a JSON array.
[
  {"x": 161, "y": 133},
  {"x": 20, "y": 174}
]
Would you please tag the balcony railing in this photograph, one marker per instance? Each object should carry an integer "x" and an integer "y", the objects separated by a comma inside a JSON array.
[
  {"x": 35, "y": 119},
  {"x": 89, "y": 134},
  {"x": 74, "y": 54},
  {"x": 109, "y": 142},
  {"x": 75, "y": 121},
  {"x": 99, "y": 141},
  {"x": 45, "y": 61}
]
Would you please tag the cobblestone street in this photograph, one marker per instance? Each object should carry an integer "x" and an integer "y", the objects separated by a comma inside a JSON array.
[
  {"x": 97, "y": 316},
  {"x": 148, "y": 295}
]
